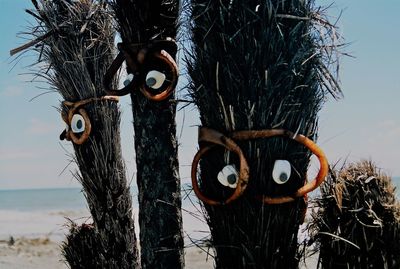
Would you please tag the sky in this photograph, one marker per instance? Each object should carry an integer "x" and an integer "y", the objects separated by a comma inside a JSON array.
[{"x": 365, "y": 124}]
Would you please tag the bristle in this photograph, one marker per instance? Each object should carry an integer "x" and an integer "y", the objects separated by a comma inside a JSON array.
[
  {"x": 259, "y": 66},
  {"x": 357, "y": 219}
]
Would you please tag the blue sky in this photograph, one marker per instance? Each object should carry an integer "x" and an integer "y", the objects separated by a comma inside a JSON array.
[{"x": 363, "y": 125}]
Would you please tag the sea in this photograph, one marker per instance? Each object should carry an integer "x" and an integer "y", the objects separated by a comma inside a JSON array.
[
  {"x": 38, "y": 213},
  {"x": 46, "y": 212}
]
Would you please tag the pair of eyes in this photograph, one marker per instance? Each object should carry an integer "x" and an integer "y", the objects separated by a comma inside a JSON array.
[
  {"x": 77, "y": 124},
  {"x": 154, "y": 79},
  {"x": 281, "y": 172}
]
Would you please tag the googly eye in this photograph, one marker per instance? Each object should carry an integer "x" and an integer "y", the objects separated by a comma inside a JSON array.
[
  {"x": 77, "y": 124},
  {"x": 128, "y": 79},
  {"x": 228, "y": 176},
  {"x": 155, "y": 79},
  {"x": 281, "y": 172}
]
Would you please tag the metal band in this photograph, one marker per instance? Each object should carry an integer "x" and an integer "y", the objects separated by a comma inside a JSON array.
[
  {"x": 76, "y": 106},
  {"x": 214, "y": 137},
  {"x": 135, "y": 56}
]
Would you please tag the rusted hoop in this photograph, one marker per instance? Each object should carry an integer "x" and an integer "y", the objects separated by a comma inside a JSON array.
[
  {"x": 86, "y": 132},
  {"x": 170, "y": 62},
  {"x": 216, "y": 138},
  {"x": 155, "y": 48},
  {"x": 75, "y": 105},
  {"x": 308, "y": 143},
  {"x": 69, "y": 135},
  {"x": 109, "y": 76}
]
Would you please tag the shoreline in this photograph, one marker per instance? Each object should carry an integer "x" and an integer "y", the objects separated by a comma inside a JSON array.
[{"x": 43, "y": 253}]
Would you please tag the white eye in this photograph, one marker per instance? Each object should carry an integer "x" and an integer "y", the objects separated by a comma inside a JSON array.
[
  {"x": 228, "y": 176},
  {"x": 77, "y": 124},
  {"x": 155, "y": 79},
  {"x": 281, "y": 172},
  {"x": 128, "y": 79}
]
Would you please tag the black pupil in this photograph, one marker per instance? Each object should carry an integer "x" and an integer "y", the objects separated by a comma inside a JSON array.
[
  {"x": 231, "y": 179},
  {"x": 151, "y": 82},
  {"x": 79, "y": 124},
  {"x": 283, "y": 177}
]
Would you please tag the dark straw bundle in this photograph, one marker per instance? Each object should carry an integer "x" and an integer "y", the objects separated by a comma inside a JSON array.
[
  {"x": 74, "y": 41},
  {"x": 141, "y": 23},
  {"x": 259, "y": 65},
  {"x": 357, "y": 224}
]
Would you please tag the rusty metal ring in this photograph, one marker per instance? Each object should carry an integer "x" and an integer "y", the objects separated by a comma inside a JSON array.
[
  {"x": 75, "y": 106},
  {"x": 140, "y": 50},
  {"x": 308, "y": 143},
  {"x": 170, "y": 62},
  {"x": 216, "y": 138},
  {"x": 109, "y": 76},
  {"x": 86, "y": 132}
]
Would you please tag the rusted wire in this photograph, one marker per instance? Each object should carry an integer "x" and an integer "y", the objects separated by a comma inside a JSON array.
[
  {"x": 215, "y": 138},
  {"x": 138, "y": 58},
  {"x": 207, "y": 135},
  {"x": 75, "y": 108}
]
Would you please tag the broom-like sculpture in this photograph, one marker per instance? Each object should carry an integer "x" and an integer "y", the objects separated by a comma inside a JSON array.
[
  {"x": 357, "y": 224},
  {"x": 148, "y": 30},
  {"x": 74, "y": 41},
  {"x": 260, "y": 74}
]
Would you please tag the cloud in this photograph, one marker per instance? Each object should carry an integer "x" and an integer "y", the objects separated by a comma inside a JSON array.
[
  {"x": 16, "y": 154},
  {"x": 39, "y": 127},
  {"x": 389, "y": 130},
  {"x": 12, "y": 91}
]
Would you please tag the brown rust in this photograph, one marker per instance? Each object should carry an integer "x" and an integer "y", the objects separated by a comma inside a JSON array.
[
  {"x": 136, "y": 57},
  {"x": 214, "y": 137},
  {"x": 75, "y": 108}
]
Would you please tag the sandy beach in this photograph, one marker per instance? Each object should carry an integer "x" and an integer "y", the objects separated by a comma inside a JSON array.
[
  {"x": 42, "y": 253},
  {"x": 31, "y": 240}
]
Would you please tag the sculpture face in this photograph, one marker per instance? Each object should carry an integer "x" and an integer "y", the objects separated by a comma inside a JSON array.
[
  {"x": 78, "y": 126},
  {"x": 278, "y": 183},
  {"x": 151, "y": 69},
  {"x": 77, "y": 120}
]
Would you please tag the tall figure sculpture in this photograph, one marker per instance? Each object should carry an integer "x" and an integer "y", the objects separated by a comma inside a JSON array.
[
  {"x": 74, "y": 42},
  {"x": 148, "y": 31},
  {"x": 260, "y": 74}
]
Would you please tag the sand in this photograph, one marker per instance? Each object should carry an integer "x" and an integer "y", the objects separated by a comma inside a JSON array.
[
  {"x": 37, "y": 237},
  {"x": 42, "y": 253}
]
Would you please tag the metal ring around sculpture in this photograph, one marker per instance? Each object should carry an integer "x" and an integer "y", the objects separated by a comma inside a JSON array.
[
  {"x": 109, "y": 76},
  {"x": 170, "y": 62},
  {"x": 214, "y": 139},
  {"x": 308, "y": 143},
  {"x": 75, "y": 108},
  {"x": 136, "y": 57},
  {"x": 86, "y": 132}
]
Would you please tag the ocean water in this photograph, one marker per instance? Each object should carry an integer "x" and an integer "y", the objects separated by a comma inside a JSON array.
[
  {"x": 45, "y": 213},
  {"x": 42, "y": 200},
  {"x": 40, "y": 213},
  {"x": 69, "y": 199}
]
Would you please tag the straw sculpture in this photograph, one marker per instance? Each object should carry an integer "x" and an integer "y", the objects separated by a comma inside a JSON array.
[
  {"x": 74, "y": 41},
  {"x": 357, "y": 222},
  {"x": 148, "y": 30},
  {"x": 260, "y": 72}
]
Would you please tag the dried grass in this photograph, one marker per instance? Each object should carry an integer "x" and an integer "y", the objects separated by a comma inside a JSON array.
[
  {"x": 357, "y": 224},
  {"x": 160, "y": 217},
  {"x": 259, "y": 66},
  {"x": 74, "y": 42}
]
